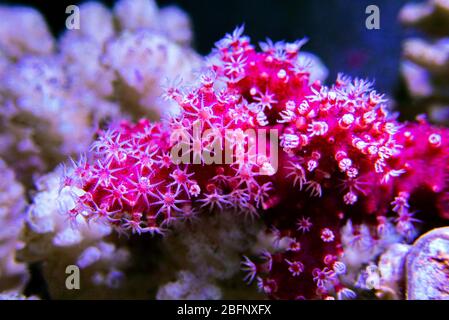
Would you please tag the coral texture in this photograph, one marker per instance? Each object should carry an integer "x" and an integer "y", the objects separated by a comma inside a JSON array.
[
  {"x": 188, "y": 287},
  {"x": 427, "y": 266},
  {"x": 426, "y": 59},
  {"x": 210, "y": 249},
  {"x": 343, "y": 158},
  {"x": 56, "y": 93},
  {"x": 240, "y": 174},
  {"x": 53, "y": 239}
]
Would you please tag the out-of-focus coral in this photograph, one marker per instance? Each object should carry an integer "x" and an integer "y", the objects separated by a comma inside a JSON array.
[
  {"x": 52, "y": 239},
  {"x": 392, "y": 272},
  {"x": 415, "y": 272},
  {"x": 169, "y": 21},
  {"x": 35, "y": 100},
  {"x": 210, "y": 248},
  {"x": 13, "y": 275},
  {"x": 427, "y": 266},
  {"x": 142, "y": 61},
  {"x": 189, "y": 287},
  {"x": 23, "y": 31},
  {"x": 425, "y": 68},
  {"x": 361, "y": 248},
  {"x": 386, "y": 278},
  {"x": 212, "y": 245},
  {"x": 327, "y": 211},
  {"x": 344, "y": 157},
  {"x": 313, "y": 65},
  {"x": 55, "y": 94},
  {"x": 175, "y": 24},
  {"x": 15, "y": 295},
  {"x": 431, "y": 16},
  {"x": 128, "y": 54}
]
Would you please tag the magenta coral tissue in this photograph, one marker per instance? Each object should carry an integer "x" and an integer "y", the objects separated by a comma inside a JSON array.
[
  {"x": 343, "y": 157},
  {"x": 161, "y": 174}
]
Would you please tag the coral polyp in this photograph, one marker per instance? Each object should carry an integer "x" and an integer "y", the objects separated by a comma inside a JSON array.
[{"x": 343, "y": 157}]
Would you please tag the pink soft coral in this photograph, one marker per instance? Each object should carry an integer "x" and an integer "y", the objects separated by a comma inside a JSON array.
[
  {"x": 120, "y": 181},
  {"x": 343, "y": 158}
]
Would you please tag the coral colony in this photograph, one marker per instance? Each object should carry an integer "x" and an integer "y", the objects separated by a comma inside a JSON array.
[{"x": 263, "y": 174}]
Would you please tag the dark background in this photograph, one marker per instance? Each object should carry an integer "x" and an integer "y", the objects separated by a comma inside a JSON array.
[{"x": 335, "y": 28}]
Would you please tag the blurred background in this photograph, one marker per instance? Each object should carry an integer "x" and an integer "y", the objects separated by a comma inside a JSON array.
[{"x": 335, "y": 28}]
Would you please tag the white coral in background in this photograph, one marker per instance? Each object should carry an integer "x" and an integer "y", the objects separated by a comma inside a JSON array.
[
  {"x": 313, "y": 64},
  {"x": 50, "y": 237},
  {"x": 15, "y": 295},
  {"x": 55, "y": 94},
  {"x": 97, "y": 23},
  {"x": 135, "y": 14},
  {"x": 80, "y": 51},
  {"x": 12, "y": 204},
  {"x": 170, "y": 21},
  {"x": 361, "y": 247},
  {"x": 425, "y": 61},
  {"x": 176, "y": 25},
  {"x": 36, "y": 89},
  {"x": 143, "y": 60},
  {"x": 212, "y": 246},
  {"x": 3, "y": 62},
  {"x": 386, "y": 277}
]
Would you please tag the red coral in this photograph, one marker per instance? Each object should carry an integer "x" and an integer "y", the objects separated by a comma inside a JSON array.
[
  {"x": 343, "y": 157},
  {"x": 127, "y": 180}
]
